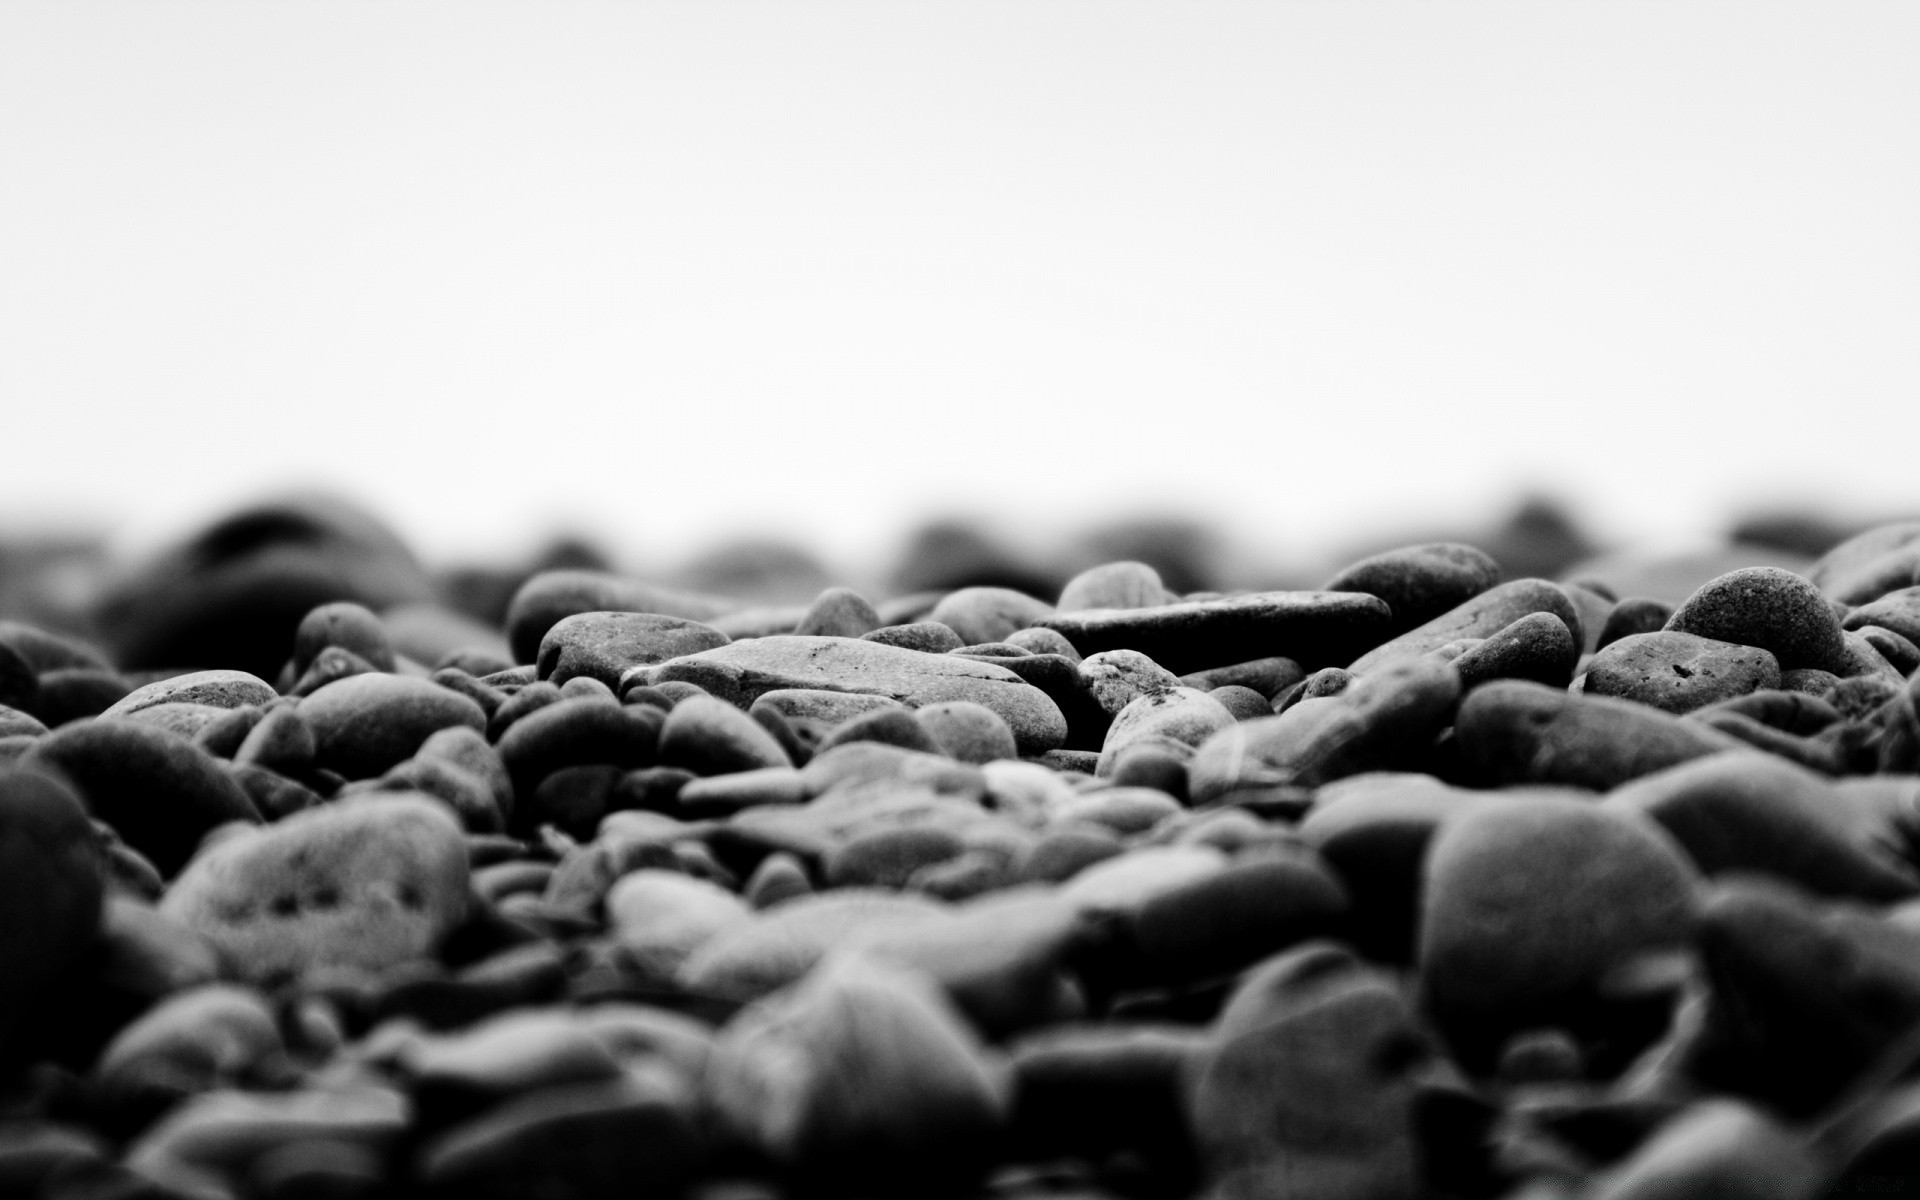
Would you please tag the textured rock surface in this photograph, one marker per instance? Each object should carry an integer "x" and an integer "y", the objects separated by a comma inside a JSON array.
[{"x": 742, "y": 672}]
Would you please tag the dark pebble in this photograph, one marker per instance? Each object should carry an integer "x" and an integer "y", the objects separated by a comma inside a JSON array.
[
  {"x": 1480, "y": 617},
  {"x": 1635, "y": 614},
  {"x": 1511, "y": 731},
  {"x": 365, "y": 724},
  {"x": 158, "y": 790},
  {"x": 1539, "y": 647},
  {"x": 1420, "y": 583},
  {"x": 352, "y": 627},
  {"x": 69, "y": 693},
  {"x": 574, "y": 733},
  {"x": 1314, "y": 629},
  {"x": 890, "y": 726},
  {"x": 52, "y": 885}
]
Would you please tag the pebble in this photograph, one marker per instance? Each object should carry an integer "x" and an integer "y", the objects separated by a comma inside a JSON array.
[
  {"x": 1870, "y": 565},
  {"x": 1511, "y": 731},
  {"x": 186, "y": 720},
  {"x": 1530, "y": 903},
  {"x": 211, "y": 1144},
  {"x": 1038, "y": 640},
  {"x": 1775, "y": 610},
  {"x": 967, "y": 732},
  {"x": 551, "y": 596},
  {"x": 331, "y": 664},
  {"x": 369, "y": 883},
  {"x": 1378, "y": 723},
  {"x": 1125, "y": 584},
  {"x": 1743, "y": 811},
  {"x": 580, "y": 732},
  {"x": 1103, "y": 1093},
  {"x": 1002, "y": 958},
  {"x": 233, "y": 594},
  {"x": 1243, "y": 702},
  {"x": 1116, "y": 678},
  {"x": 1420, "y": 583},
  {"x": 214, "y": 1036},
  {"x": 527, "y": 699},
  {"x": 711, "y": 737},
  {"x": 365, "y": 724},
  {"x": 1635, "y": 614},
  {"x": 159, "y": 791},
  {"x": 1306, "y": 1086},
  {"x": 838, "y": 612},
  {"x": 1538, "y": 646},
  {"x": 1177, "y": 717},
  {"x": 71, "y": 693},
  {"x": 1803, "y": 997},
  {"x": 43, "y": 652},
  {"x": 662, "y": 917},
  {"x": 52, "y": 885},
  {"x": 1358, "y": 892},
  {"x": 1898, "y": 611},
  {"x": 827, "y": 708},
  {"x": 861, "y": 1081},
  {"x": 1482, "y": 616},
  {"x": 14, "y": 723},
  {"x": 434, "y": 635},
  {"x": 636, "y": 1135},
  {"x": 606, "y": 645},
  {"x": 890, "y": 726},
  {"x": 1898, "y": 652},
  {"x": 1314, "y": 629},
  {"x": 930, "y": 637},
  {"x": 988, "y": 614},
  {"x": 215, "y": 689},
  {"x": 1373, "y": 830},
  {"x": 352, "y": 627},
  {"x": 1679, "y": 672},
  {"x": 1268, "y": 676},
  {"x": 789, "y": 939},
  {"x": 742, "y": 672},
  {"x": 779, "y": 877},
  {"x": 281, "y": 740},
  {"x": 1227, "y": 920},
  {"x": 888, "y": 858},
  {"x": 1718, "y": 1148},
  {"x": 1123, "y": 885}
]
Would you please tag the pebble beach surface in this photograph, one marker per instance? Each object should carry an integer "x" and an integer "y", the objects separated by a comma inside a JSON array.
[{"x": 1429, "y": 882}]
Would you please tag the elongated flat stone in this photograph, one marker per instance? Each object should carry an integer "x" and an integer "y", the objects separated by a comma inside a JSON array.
[
  {"x": 1315, "y": 629},
  {"x": 745, "y": 671},
  {"x": 1481, "y": 617}
]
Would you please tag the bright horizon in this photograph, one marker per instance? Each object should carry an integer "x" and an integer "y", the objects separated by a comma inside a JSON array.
[{"x": 671, "y": 272}]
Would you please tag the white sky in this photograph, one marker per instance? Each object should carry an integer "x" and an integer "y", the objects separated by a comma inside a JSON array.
[{"x": 674, "y": 270}]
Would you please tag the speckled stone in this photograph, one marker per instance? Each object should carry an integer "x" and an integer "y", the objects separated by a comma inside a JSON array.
[
  {"x": 368, "y": 883},
  {"x": 1679, "y": 672},
  {"x": 1776, "y": 610}
]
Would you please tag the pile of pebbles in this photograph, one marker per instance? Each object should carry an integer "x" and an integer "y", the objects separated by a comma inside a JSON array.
[{"x": 1423, "y": 884}]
